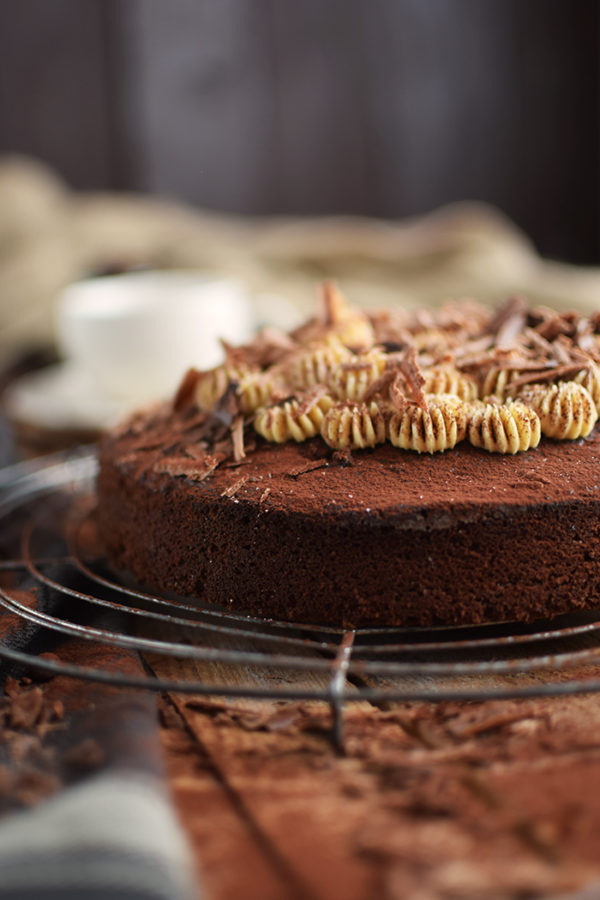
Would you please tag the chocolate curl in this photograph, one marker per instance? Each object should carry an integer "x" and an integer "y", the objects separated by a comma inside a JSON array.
[
  {"x": 186, "y": 391},
  {"x": 397, "y": 395},
  {"x": 310, "y": 398},
  {"x": 271, "y": 346},
  {"x": 380, "y": 384},
  {"x": 552, "y": 374},
  {"x": 237, "y": 438},
  {"x": 219, "y": 422},
  {"x": 334, "y": 308},
  {"x": 235, "y": 357},
  {"x": 414, "y": 377},
  {"x": 509, "y": 321},
  {"x": 584, "y": 335},
  {"x": 232, "y": 490},
  {"x": 503, "y": 360},
  {"x": 195, "y": 469},
  {"x": 558, "y": 323},
  {"x": 538, "y": 342},
  {"x": 510, "y": 330},
  {"x": 473, "y": 349},
  {"x": 562, "y": 349}
]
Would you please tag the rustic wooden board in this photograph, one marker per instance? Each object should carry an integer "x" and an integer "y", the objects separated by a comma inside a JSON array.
[{"x": 495, "y": 799}]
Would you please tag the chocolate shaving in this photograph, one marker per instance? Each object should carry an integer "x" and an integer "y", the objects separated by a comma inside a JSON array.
[
  {"x": 12, "y": 688},
  {"x": 194, "y": 469},
  {"x": 237, "y": 438},
  {"x": 466, "y": 318},
  {"x": 414, "y": 377},
  {"x": 487, "y": 723},
  {"x": 509, "y": 332},
  {"x": 58, "y": 707},
  {"x": 520, "y": 364},
  {"x": 537, "y": 342},
  {"x": 196, "y": 451},
  {"x": 356, "y": 366},
  {"x": 270, "y": 346},
  {"x": 190, "y": 420},
  {"x": 397, "y": 395},
  {"x": 307, "y": 467},
  {"x": 235, "y": 357},
  {"x": 503, "y": 361},
  {"x": 475, "y": 347},
  {"x": 508, "y": 321},
  {"x": 390, "y": 328},
  {"x": 186, "y": 391},
  {"x": 422, "y": 320},
  {"x": 558, "y": 323},
  {"x": 138, "y": 422},
  {"x": 554, "y": 374},
  {"x": 218, "y": 422},
  {"x": 311, "y": 331},
  {"x": 333, "y": 304},
  {"x": 380, "y": 384},
  {"x": 25, "y": 709},
  {"x": 310, "y": 398},
  {"x": 562, "y": 350},
  {"x": 584, "y": 335},
  {"x": 232, "y": 490},
  {"x": 232, "y": 464}
]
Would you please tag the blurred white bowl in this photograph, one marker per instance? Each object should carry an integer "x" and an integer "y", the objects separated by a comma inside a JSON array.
[{"x": 134, "y": 335}]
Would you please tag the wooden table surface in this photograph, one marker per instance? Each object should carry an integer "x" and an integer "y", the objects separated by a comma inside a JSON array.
[{"x": 497, "y": 799}]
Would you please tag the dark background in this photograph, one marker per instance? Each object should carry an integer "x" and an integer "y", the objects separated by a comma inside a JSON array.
[{"x": 381, "y": 107}]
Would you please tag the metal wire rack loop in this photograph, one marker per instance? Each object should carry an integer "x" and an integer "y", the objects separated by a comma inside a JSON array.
[{"x": 237, "y": 656}]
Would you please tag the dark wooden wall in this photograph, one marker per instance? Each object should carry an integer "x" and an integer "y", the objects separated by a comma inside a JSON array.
[{"x": 384, "y": 107}]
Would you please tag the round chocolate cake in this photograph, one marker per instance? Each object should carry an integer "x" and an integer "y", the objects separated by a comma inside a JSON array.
[{"x": 409, "y": 469}]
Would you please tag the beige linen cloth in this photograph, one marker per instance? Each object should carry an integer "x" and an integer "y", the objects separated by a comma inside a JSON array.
[{"x": 50, "y": 236}]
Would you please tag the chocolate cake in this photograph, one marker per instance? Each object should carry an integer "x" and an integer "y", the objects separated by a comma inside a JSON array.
[{"x": 406, "y": 469}]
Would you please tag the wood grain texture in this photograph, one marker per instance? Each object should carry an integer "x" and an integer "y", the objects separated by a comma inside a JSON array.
[
  {"x": 494, "y": 798},
  {"x": 53, "y": 101},
  {"x": 470, "y": 800},
  {"x": 389, "y": 108},
  {"x": 196, "y": 101},
  {"x": 386, "y": 108}
]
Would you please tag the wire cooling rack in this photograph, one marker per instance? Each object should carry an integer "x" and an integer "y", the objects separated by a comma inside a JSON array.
[{"x": 46, "y": 517}]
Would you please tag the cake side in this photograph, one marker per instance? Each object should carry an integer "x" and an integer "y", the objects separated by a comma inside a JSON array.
[{"x": 293, "y": 535}]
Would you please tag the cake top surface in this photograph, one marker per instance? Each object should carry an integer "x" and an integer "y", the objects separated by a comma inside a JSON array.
[
  {"x": 302, "y": 478},
  {"x": 514, "y": 390}
]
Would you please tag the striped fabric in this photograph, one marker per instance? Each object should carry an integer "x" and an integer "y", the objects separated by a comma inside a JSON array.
[{"x": 113, "y": 837}]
